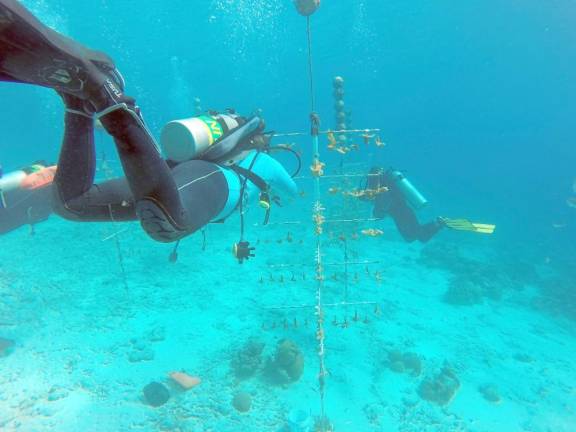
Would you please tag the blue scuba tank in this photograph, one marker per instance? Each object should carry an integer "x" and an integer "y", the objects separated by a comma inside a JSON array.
[{"x": 412, "y": 196}]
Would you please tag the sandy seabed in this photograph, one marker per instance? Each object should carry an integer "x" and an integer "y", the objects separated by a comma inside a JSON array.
[{"x": 88, "y": 336}]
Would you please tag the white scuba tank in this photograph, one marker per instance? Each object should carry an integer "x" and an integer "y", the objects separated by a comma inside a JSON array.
[
  {"x": 12, "y": 180},
  {"x": 30, "y": 177},
  {"x": 189, "y": 138}
]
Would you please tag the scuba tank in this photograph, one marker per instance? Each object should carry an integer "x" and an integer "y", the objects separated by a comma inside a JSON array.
[
  {"x": 12, "y": 180},
  {"x": 31, "y": 177},
  {"x": 412, "y": 196},
  {"x": 17, "y": 179},
  {"x": 40, "y": 178},
  {"x": 191, "y": 138}
]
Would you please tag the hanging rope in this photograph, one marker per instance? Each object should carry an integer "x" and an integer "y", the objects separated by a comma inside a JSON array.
[
  {"x": 310, "y": 71},
  {"x": 318, "y": 215},
  {"x": 119, "y": 251}
]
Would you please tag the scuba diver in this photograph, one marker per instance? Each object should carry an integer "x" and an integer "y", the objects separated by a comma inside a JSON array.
[
  {"x": 26, "y": 196},
  {"x": 214, "y": 163},
  {"x": 401, "y": 200}
]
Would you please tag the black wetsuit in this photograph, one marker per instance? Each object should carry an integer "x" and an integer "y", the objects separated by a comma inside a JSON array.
[
  {"x": 170, "y": 202},
  {"x": 77, "y": 198},
  {"x": 392, "y": 203}
]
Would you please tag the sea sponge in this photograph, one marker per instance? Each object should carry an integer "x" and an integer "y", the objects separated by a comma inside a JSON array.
[
  {"x": 184, "y": 380},
  {"x": 408, "y": 362},
  {"x": 443, "y": 255},
  {"x": 395, "y": 362},
  {"x": 296, "y": 369},
  {"x": 288, "y": 363},
  {"x": 463, "y": 291},
  {"x": 441, "y": 388},
  {"x": 242, "y": 402},
  {"x": 412, "y": 363},
  {"x": 156, "y": 394},
  {"x": 157, "y": 334},
  {"x": 490, "y": 393},
  {"x": 246, "y": 362},
  {"x": 6, "y": 346},
  {"x": 289, "y": 357},
  {"x": 557, "y": 296},
  {"x": 146, "y": 354}
]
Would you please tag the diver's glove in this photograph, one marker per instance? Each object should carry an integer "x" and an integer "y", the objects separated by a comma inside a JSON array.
[{"x": 243, "y": 251}]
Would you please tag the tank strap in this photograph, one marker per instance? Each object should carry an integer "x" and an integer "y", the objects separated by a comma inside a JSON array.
[
  {"x": 223, "y": 124},
  {"x": 250, "y": 175},
  {"x": 227, "y": 144},
  {"x": 258, "y": 181},
  {"x": 260, "y": 184}
]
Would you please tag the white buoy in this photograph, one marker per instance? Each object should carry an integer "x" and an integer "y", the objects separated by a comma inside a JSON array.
[{"x": 306, "y": 7}]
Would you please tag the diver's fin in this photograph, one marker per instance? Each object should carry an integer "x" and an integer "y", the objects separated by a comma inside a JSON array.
[
  {"x": 466, "y": 225},
  {"x": 32, "y": 53}
]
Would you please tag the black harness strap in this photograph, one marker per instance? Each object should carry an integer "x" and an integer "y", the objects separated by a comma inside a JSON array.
[{"x": 254, "y": 178}]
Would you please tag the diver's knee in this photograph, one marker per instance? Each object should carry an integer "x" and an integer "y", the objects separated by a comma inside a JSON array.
[
  {"x": 157, "y": 223},
  {"x": 60, "y": 209},
  {"x": 66, "y": 210}
]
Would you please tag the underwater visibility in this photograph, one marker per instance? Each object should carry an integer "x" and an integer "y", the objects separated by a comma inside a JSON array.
[{"x": 287, "y": 216}]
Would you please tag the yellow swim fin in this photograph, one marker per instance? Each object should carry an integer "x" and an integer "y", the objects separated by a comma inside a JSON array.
[{"x": 466, "y": 225}]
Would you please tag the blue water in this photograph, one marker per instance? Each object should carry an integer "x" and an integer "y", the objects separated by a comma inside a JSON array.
[{"x": 475, "y": 101}]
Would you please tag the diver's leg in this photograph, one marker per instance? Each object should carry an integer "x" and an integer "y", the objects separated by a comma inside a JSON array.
[
  {"x": 405, "y": 220},
  {"x": 77, "y": 161},
  {"x": 33, "y": 53},
  {"x": 408, "y": 225},
  {"x": 158, "y": 202},
  {"x": 429, "y": 230},
  {"x": 75, "y": 195}
]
